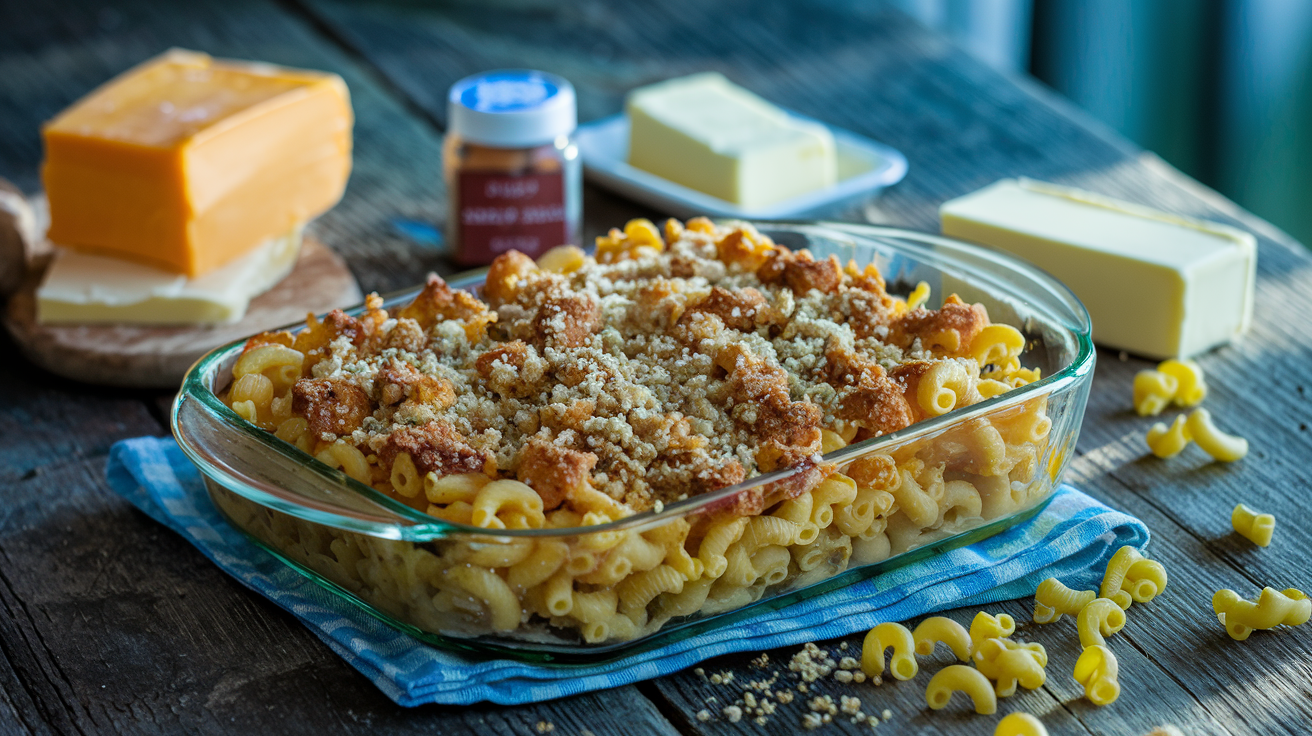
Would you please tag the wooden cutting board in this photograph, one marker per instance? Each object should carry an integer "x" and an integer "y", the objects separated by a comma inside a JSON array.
[{"x": 157, "y": 357}]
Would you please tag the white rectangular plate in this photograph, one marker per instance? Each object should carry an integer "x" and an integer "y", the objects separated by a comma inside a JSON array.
[{"x": 864, "y": 168}]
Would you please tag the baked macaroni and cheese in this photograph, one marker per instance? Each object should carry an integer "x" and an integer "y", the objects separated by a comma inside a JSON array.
[{"x": 578, "y": 390}]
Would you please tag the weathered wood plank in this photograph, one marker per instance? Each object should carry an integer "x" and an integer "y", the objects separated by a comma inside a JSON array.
[
  {"x": 119, "y": 625},
  {"x": 49, "y": 420}
]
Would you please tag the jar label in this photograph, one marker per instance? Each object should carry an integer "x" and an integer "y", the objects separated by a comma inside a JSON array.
[{"x": 500, "y": 212}]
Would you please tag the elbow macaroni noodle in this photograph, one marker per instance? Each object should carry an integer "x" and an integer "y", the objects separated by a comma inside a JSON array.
[
  {"x": 1191, "y": 388},
  {"x": 903, "y": 663},
  {"x": 1096, "y": 671},
  {"x": 1272, "y": 608},
  {"x": 1153, "y": 391},
  {"x": 1169, "y": 441},
  {"x": 1130, "y": 577},
  {"x": 1053, "y": 600},
  {"x": 1178, "y": 382},
  {"x": 1221, "y": 446},
  {"x": 1020, "y": 724},
  {"x": 958, "y": 678},
  {"x": 942, "y": 629},
  {"x": 1009, "y": 663},
  {"x": 987, "y": 626},
  {"x": 1102, "y": 617},
  {"x": 1256, "y": 527}
]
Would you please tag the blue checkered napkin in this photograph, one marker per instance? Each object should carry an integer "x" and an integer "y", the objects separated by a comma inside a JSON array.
[{"x": 1071, "y": 539}]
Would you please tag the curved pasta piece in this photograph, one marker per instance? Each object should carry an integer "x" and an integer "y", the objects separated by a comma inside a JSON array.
[
  {"x": 1256, "y": 527},
  {"x": 486, "y": 586},
  {"x": 1020, "y": 724},
  {"x": 1053, "y": 600},
  {"x": 960, "y": 678},
  {"x": 903, "y": 663},
  {"x": 1191, "y": 389},
  {"x": 641, "y": 588},
  {"x": 494, "y": 500},
  {"x": 1132, "y": 577},
  {"x": 1153, "y": 391},
  {"x": 716, "y": 543},
  {"x": 985, "y": 626},
  {"x": 1096, "y": 671},
  {"x": 1009, "y": 663},
  {"x": 1169, "y": 441},
  {"x": 998, "y": 345},
  {"x": 1102, "y": 617},
  {"x": 264, "y": 357},
  {"x": 937, "y": 629},
  {"x": 1272, "y": 608},
  {"x": 1221, "y": 446}
]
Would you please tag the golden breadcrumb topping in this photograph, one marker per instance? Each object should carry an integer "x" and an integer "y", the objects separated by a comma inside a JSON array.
[{"x": 664, "y": 367}]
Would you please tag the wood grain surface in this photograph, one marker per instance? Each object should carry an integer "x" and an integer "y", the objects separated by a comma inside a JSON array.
[
  {"x": 110, "y": 623},
  {"x": 158, "y": 356}
]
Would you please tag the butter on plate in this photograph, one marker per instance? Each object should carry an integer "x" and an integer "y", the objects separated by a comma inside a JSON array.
[
  {"x": 85, "y": 288},
  {"x": 1155, "y": 284},
  {"x": 708, "y": 134}
]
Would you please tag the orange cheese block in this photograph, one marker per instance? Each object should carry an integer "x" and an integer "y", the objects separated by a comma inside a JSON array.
[{"x": 187, "y": 162}]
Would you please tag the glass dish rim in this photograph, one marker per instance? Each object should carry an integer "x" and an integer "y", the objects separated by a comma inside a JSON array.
[{"x": 421, "y": 527}]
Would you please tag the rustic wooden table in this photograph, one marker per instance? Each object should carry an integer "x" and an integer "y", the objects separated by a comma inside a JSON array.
[{"x": 109, "y": 623}]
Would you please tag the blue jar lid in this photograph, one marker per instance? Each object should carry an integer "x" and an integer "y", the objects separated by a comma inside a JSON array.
[{"x": 512, "y": 108}]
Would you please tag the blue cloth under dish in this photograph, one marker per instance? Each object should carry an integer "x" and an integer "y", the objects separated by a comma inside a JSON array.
[{"x": 1071, "y": 539}]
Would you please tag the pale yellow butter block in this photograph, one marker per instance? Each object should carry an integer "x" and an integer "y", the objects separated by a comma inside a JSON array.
[
  {"x": 708, "y": 134},
  {"x": 84, "y": 288},
  {"x": 1155, "y": 284}
]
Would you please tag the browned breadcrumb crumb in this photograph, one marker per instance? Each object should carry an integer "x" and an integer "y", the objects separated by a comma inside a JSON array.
[{"x": 652, "y": 377}]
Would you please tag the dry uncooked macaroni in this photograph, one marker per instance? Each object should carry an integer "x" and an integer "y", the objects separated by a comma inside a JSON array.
[
  {"x": 1221, "y": 446},
  {"x": 987, "y": 626},
  {"x": 1102, "y": 617},
  {"x": 1053, "y": 600},
  {"x": 1256, "y": 527},
  {"x": 903, "y": 663},
  {"x": 1096, "y": 671},
  {"x": 957, "y": 678},
  {"x": 1191, "y": 388},
  {"x": 1020, "y": 724},
  {"x": 1131, "y": 577},
  {"x": 1169, "y": 441},
  {"x": 1272, "y": 608},
  {"x": 1178, "y": 382},
  {"x": 937, "y": 629},
  {"x": 1009, "y": 663},
  {"x": 1153, "y": 391}
]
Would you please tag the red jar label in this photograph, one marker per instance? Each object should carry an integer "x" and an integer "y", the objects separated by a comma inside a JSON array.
[{"x": 499, "y": 213}]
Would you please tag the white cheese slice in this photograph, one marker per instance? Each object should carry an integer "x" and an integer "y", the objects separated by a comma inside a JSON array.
[
  {"x": 1155, "y": 284},
  {"x": 708, "y": 134},
  {"x": 84, "y": 288}
]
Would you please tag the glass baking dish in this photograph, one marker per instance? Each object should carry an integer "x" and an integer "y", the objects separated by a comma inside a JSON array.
[{"x": 588, "y": 592}]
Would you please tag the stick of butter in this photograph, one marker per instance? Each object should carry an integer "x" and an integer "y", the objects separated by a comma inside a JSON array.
[
  {"x": 88, "y": 288},
  {"x": 1155, "y": 284},
  {"x": 706, "y": 133}
]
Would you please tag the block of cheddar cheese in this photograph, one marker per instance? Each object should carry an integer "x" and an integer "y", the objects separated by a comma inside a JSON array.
[
  {"x": 186, "y": 162},
  {"x": 1155, "y": 284}
]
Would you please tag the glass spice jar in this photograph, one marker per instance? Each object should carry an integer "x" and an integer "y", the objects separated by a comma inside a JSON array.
[{"x": 511, "y": 165}]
